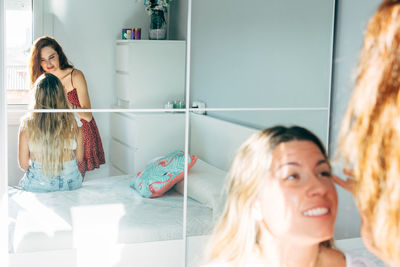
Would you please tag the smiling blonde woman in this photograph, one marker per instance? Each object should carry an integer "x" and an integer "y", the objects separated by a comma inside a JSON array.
[{"x": 281, "y": 205}]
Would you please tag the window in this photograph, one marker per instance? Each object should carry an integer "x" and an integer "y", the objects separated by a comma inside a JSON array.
[{"x": 19, "y": 29}]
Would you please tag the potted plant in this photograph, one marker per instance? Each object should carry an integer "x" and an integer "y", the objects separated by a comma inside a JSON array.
[{"x": 157, "y": 9}]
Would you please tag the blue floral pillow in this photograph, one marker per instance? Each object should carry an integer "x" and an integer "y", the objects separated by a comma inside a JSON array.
[{"x": 161, "y": 175}]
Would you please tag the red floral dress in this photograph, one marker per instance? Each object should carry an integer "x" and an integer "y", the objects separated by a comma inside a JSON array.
[{"x": 93, "y": 148}]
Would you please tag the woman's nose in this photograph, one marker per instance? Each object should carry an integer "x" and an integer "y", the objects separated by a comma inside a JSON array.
[{"x": 317, "y": 186}]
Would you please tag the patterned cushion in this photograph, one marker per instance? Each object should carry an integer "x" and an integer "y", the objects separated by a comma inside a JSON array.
[{"x": 161, "y": 175}]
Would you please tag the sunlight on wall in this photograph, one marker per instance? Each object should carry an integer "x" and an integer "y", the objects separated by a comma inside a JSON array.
[{"x": 59, "y": 7}]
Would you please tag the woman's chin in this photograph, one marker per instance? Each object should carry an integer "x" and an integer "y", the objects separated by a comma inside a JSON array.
[
  {"x": 317, "y": 237},
  {"x": 51, "y": 71}
]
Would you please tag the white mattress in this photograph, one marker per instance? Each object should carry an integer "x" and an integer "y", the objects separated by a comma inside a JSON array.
[{"x": 104, "y": 211}]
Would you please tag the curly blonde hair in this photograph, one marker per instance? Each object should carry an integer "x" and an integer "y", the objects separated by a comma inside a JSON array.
[
  {"x": 237, "y": 233},
  {"x": 370, "y": 133},
  {"x": 50, "y": 134}
]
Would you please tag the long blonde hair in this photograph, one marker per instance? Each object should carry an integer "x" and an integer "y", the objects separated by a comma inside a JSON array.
[
  {"x": 370, "y": 132},
  {"x": 236, "y": 235},
  {"x": 50, "y": 133}
]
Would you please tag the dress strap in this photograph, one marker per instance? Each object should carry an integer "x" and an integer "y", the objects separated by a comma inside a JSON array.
[{"x": 71, "y": 78}]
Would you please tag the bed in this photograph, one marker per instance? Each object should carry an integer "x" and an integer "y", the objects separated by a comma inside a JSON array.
[
  {"x": 104, "y": 213},
  {"x": 107, "y": 215},
  {"x": 104, "y": 210}
]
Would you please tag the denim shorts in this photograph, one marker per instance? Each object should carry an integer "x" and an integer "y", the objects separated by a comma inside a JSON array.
[{"x": 68, "y": 179}]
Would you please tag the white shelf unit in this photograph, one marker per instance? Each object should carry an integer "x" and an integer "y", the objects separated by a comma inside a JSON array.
[
  {"x": 149, "y": 73},
  {"x": 136, "y": 139}
]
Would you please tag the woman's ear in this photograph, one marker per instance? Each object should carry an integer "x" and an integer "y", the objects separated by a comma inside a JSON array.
[
  {"x": 257, "y": 211},
  {"x": 259, "y": 218}
]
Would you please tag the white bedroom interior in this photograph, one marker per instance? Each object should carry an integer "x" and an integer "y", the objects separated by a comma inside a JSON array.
[{"x": 254, "y": 66}]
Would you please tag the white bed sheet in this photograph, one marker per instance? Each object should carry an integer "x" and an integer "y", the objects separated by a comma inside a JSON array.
[{"x": 103, "y": 211}]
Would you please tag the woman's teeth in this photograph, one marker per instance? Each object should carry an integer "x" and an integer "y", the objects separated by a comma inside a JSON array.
[{"x": 316, "y": 212}]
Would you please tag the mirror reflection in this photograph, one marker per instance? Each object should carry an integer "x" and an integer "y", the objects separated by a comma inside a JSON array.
[
  {"x": 127, "y": 201},
  {"x": 280, "y": 198},
  {"x": 215, "y": 151},
  {"x": 111, "y": 68},
  {"x": 50, "y": 145},
  {"x": 47, "y": 57},
  {"x": 233, "y": 65},
  {"x": 264, "y": 54},
  {"x": 120, "y": 204}
]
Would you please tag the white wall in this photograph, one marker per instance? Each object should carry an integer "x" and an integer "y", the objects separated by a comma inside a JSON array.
[
  {"x": 263, "y": 54},
  {"x": 14, "y": 172},
  {"x": 3, "y": 147},
  {"x": 267, "y": 54},
  {"x": 351, "y": 19},
  {"x": 87, "y": 30},
  {"x": 178, "y": 19}
]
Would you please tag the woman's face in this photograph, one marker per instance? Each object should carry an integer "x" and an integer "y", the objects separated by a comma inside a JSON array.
[
  {"x": 49, "y": 60},
  {"x": 299, "y": 202}
]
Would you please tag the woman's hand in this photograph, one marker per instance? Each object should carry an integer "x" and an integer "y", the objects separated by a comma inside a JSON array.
[{"x": 346, "y": 184}]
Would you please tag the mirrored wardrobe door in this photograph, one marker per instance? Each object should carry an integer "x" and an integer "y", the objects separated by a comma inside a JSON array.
[
  {"x": 263, "y": 54},
  {"x": 214, "y": 141},
  {"x": 3, "y": 144},
  {"x": 119, "y": 70},
  {"x": 122, "y": 213}
]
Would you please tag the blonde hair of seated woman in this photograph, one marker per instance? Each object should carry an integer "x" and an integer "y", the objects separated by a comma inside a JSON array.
[{"x": 49, "y": 132}]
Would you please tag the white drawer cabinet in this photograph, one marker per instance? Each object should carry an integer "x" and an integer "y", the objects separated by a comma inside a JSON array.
[
  {"x": 139, "y": 138},
  {"x": 149, "y": 73}
]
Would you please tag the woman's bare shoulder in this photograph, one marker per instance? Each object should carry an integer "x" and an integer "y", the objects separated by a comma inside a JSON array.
[
  {"x": 78, "y": 80},
  {"x": 77, "y": 74},
  {"x": 332, "y": 258}
]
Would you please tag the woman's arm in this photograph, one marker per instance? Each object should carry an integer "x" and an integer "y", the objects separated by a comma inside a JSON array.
[
  {"x": 79, "y": 83},
  {"x": 79, "y": 146},
  {"x": 23, "y": 151}
]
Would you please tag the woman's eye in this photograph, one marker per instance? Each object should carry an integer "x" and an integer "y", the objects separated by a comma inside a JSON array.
[
  {"x": 292, "y": 177},
  {"x": 326, "y": 174}
]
